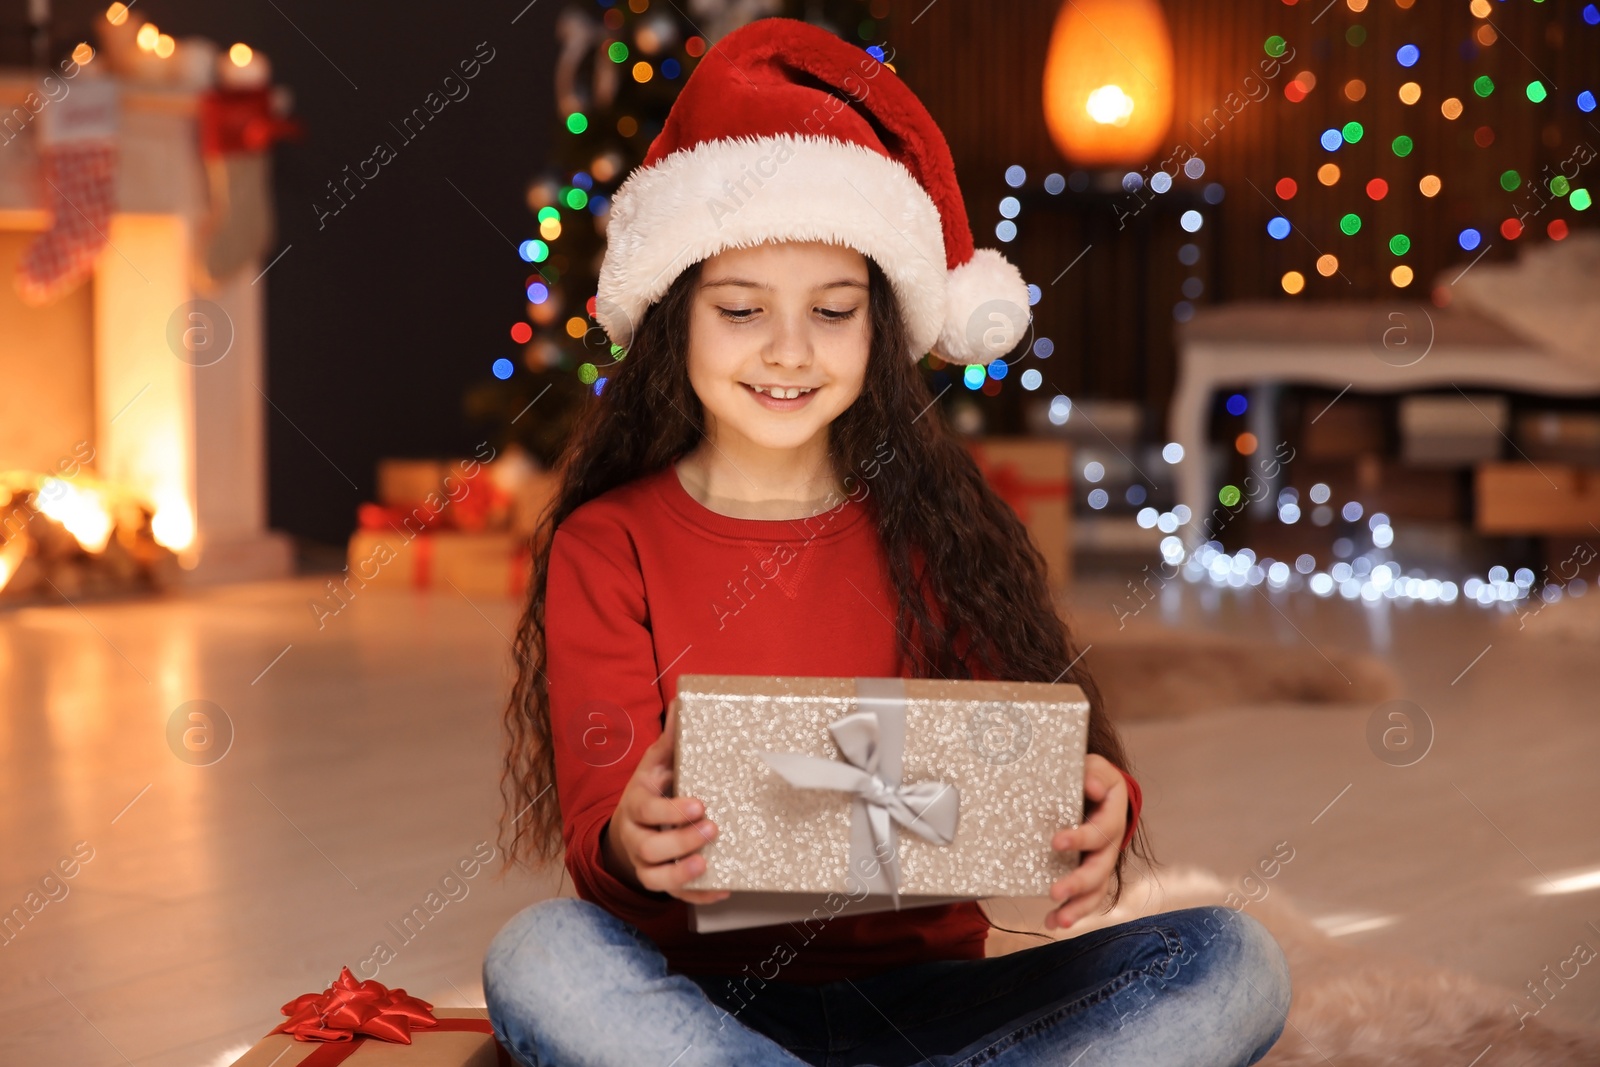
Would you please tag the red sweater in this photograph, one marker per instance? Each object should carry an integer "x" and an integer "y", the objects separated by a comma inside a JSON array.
[{"x": 646, "y": 584}]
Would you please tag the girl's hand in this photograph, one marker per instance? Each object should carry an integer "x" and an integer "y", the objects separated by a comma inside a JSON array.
[
  {"x": 1099, "y": 838},
  {"x": 653, "y": 841}
]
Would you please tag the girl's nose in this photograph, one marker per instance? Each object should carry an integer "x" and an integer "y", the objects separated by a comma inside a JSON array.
[{"x": 791, "y": 345}]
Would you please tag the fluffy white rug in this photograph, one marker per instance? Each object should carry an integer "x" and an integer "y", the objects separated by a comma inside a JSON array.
[
  {"x": 1354, "y": 1007},
  {"x": 1575, "y": 619},
  {"x": 1159, "y": 673}
]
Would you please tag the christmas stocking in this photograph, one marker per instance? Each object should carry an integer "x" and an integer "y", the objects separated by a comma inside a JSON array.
[
  {"x": 240, "y": 227},
  {"x": 237, "y": 130},
  {"x": 78, "y": 153}
]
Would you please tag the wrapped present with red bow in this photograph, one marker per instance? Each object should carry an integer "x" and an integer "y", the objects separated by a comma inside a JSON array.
[
  {"x": 489, "y": 564},
  {"x": 371, "y": 1025},
  {"x": 1034, "y": 476}
]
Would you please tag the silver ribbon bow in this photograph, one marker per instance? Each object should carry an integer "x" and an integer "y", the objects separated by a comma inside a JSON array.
[{"x": 928, "y": 809}]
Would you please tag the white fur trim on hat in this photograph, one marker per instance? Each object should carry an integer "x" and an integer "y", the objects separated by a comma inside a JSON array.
[
  {"x": 744, "y": 191},
  {"x": 986, "y": 309}
]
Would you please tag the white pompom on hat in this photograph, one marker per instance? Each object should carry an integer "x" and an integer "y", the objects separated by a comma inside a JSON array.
[{"x": 786, "y": 132}]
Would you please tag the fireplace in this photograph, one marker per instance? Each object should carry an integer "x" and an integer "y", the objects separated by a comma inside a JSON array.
[{"x": 135, "y": 400}]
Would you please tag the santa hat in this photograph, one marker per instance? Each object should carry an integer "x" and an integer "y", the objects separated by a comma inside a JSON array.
[{"x": 786, "y": 132}]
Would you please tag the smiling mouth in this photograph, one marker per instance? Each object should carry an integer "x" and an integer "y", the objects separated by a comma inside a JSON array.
[{"x": 779, "y": 392}]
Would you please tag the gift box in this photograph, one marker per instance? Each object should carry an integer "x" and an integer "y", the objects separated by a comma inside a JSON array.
[
  {"x": 367, "y": 1024},
  {"x": 1034, "y": 476},
  {"x": 427, "y": 494},
  {"x": 913, "y": 790},
  {"x": 479, "y": 564}
]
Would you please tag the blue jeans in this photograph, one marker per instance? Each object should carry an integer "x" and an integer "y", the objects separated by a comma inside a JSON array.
[{"x": 569, "y": 984}]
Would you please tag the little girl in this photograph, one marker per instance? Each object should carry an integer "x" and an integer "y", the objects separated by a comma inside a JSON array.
[{"x": 764, "y": 485}]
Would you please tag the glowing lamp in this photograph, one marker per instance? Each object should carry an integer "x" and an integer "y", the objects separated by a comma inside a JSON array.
[{"x": 1108, "y": 81}]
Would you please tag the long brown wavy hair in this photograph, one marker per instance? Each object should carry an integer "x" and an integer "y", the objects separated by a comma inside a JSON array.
[{"x": 930, "y": 501}]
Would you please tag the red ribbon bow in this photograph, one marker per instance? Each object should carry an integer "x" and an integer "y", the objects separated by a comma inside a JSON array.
[
  {"x": 233, "y": 121},
  {"x": 350, "y": 1008}
]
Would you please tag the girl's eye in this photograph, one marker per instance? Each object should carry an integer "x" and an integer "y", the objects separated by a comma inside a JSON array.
[{"x": 745, "y": 314}]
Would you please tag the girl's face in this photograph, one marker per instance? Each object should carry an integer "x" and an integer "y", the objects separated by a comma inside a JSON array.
[{"x": 778, "y": 316}]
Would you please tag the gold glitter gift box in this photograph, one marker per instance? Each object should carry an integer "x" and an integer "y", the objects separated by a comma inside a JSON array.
[{"x": 907, "y": 791}]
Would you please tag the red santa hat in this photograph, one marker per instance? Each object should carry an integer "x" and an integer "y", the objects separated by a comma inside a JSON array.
[{"x": 786, "y": 132}]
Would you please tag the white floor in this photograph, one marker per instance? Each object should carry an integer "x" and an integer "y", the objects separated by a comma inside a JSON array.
[{"x": 365, "y": 761}]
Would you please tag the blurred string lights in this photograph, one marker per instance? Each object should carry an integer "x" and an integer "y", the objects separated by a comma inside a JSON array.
[
  {"x": 1412, "y": 64},
  {"x": 1360, "y": 566},
  {"x": 987, "y": 378}
]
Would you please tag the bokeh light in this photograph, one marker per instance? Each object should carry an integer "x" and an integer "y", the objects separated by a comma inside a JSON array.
[
  {"x": 1430, "y": 185},
  {"x": 1579, "y": 200},
  {"x": 1238, "y": 404},
  {"x": 1377, "y": 189},
  {"x": 1469, "y": 239},
  {"x": 1407, "y": 55},
  {"x": 1353, "y": 132},
  {"x": 1557, "y": 229},
  {"x": 1509, "y": 180},
  {"x": 1401, "y": 276},
  {"x": 1278, "y": 228},
  {"x": 1483, "y": 85},
  {"x": 521, "y": 332},
  {"x": 1328, "y": 174},
  {"x": 1286, "y": 188},
  {"x": 1399, "y": 244},
  {"x": 1450, "y": 108},
  {"x": 1293, "y": 282},
  {"x": 1355, "y": 89},
  {"x": 1351, "y": 224},
  {"x": 1245, "y": 444},
  {"x": 1536, "y": 91},
  {"x": 1402, "y": 146},
  {"x": 1331, "y": 139},
  {"x": 1511, "y": 229},
  {"x": 1410, "y": 93},
  {"x": 1327, "y": 265}
]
